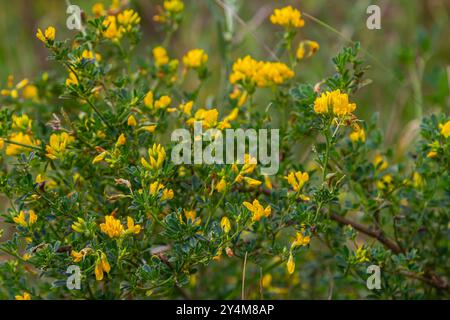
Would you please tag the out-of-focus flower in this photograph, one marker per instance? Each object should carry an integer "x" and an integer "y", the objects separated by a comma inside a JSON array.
[
  {"x": 24, "y": 296},
  {"x": 287, "y": 17},
  {"x": 195, "y": 58}
]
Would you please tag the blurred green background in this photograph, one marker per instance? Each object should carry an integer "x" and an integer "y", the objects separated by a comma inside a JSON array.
[{"x": 409, "y": 56}]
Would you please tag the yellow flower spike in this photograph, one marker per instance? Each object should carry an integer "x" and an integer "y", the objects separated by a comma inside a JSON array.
[
  {"x": 445, "y": 129},
  {"x": 157, "y": 155},
  {"x": 47, "y": 36},
  {"x": 290, "y": 264},
  {"x": 195, "y": 58},
  {"x": 112, "y": 32},
  {"x": 72, "y": 80},
  {"x": 131, "y": 227},
  {"x": 222, "y": 185},
  {"x": 287, "y": 17},
  {"x": 225, "y": 224},
  {"x": 358, "y": 134},
  {"x": 128, "y": 18},
  {"x": 131, "y": 121},
  {"x": 112, "y": 227},
  {"x": 24, "y": 296},
  {"x": 191, "y": 215},
  {"x": 121, "y": 140}
]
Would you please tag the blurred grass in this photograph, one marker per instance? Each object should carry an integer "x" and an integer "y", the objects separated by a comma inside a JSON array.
[{"x": 410, "y": 71}]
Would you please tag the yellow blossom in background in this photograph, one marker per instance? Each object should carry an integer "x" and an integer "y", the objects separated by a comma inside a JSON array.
[
  {"x": 207, "y": 117},
  {"x": 79, "y": 226},
  {"x": 89, "y": 55},
  {"x": 2, "y": 143},
  {"x": 195, "y": 58},
  {"x": 290, "y": 265},
  {"x": 417, "y": 180},
  {"x": 445, "y": 129},
  {"x": 160, "y": 56},
  {"x": 148, "y": 99},
  {"x": 112, "y": 31},
  {"x": 112, "y": 227},
  {"x": 385, "y": 183},
  {"x": 191, "y": 215},
  {"x": 173, "y": 6},
  {"x": 361, "y": 255},
  {"x": 167, "y": 194},
  {"x": 225, "y": 224},
  {"x": 47, "y": 36},
  {"x": 257, "y": 210},
  {"x": 21, "y": 138},
  {"x": 101, "y": 265},
  {"x": 157, "y": 155},
  {"x": 49, "y": 183},
  {"x": 252, "y": 182},
  {"x": 287, "y": 17},
  {"x": 98, "y": 9},
  {"x": 128, "y": 18},
  {"x": 297, "y": 179},
  {"x": 25, "y": 219},
  {"x": 150, "y": 129},
  {"x": 163, "y": 102},
  {"x": 186, "y": 108},
  {"x": 268, "y": 183},
  {"x": 334, "y": 101},
  {"x": 380, "y": 163},
  {"x": 24, "y": 296},
  {"x": 77, "y": 256},
  {"x": 100, "y": 157},
  {"x": 30, "y": 92},
  {"x": 358, "y": 134},
  {"x": 432, "y": 154},
  {"x": 300, "y": 240},
  {"x": 58, "y": 145}
]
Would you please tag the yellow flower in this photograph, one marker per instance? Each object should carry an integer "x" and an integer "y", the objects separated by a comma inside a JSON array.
[
  {"x": 252, "y": 182},
  {"x": 89, "y": 55},
  {"x": 157, "y": 155},
  {"x": 432, "y": 154},
  {"x": 22, "y": 122},
  {"x": 160, "y": 56},
  {"x": 334, "y": 101},
  {"x": 385, "y": 183},
  {"x": 79, "y": 226},
  {"x": 380, "y": 163},
  {"x": 167, "y": 194},
  {"x": 131, "y": 121},
  {"x": 19, "y": 137},
  {"x": 30, "y": 92},
  {"x": 77, "y": 256},
  {"x": 361, "y": 255},
  {"x": 290, "y": 264},
  {"x": 257, "y": 210},
  {"x": 174, "y": 6},
  {"x": 58, "y": 145},
  {"x": 47, "y": 36},
  {"x": 191, "y": 215},
  {"x": 24, "y": 296},
  {"x": 128, "y": 18},
  {"x": 98, "y": 9},
  {"x": 72, "y": 80},
  {"x": 100, "y": 157},
  {"x": 148, "y": 99},
  {"x": 445, "y": 129},
  {"x": 207, "y": 117},
  {"x": 195, "y": 58},
  {"x": 112, "y": 227},
  {"x": 156, "y": 187},
  {"x": 417, "y": 180},
  {"x": 300, "y": 240},
  {"x": 163, "y": 102},
  {"x": 49, "y": 183},
  {"x": 148, "y": 128},
  {"x": 2, "y": 143},
  {"x": 248, "y": 71},
  {"x": 358, "y": 134},
  {"x": 312, "y": 46},
  {"x": 101, "y": 265},
  {"x": 222, "y": 185},
  {"x": 121, "y": 140},
  {"x": 131, "y": 227},
  {"x": 297, "y": 179},
  {"x": 186, "y": 108},
  {"x": 287, "y": 17},
  {"x": 25, "y": 219},
  {"x": 225, "y": 224},
  {"x": 111, "y": 32}
]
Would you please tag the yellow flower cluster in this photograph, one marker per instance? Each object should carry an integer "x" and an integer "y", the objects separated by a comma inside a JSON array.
[
  {"x": 114, "y": 229},
  {"x": 361, "y": 255},
  {"x": 287, "y": 17},
  {"x": 116, "y": 27},
  {"x": 157, "y": 155},
  {"x": 172, "y": 8},
  {"x": 334, "y": 101},
  {"x": 157, "y": 187},
  {"x": 312, "y": 47},
  {"x": 445, "y": 129},
  {"x": 297, "y": 179},
  {"x": 195, "y": 58},
  {"x": 29, "y": 91},
  {"x": 58, "y": 145},
  {"x": 191, "y": 216},
  {"x": 358, "y": 134},
  {"x": 24, "y": 296},
  {"x": 225, "y": 224},
  {"x": 257, "y": 210},
  {"x": 248, "y": 71},
  {"x": 20, "y": 138},
  {"x": 48, "y": 36},
  {"x": 25, "y": 219}
]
